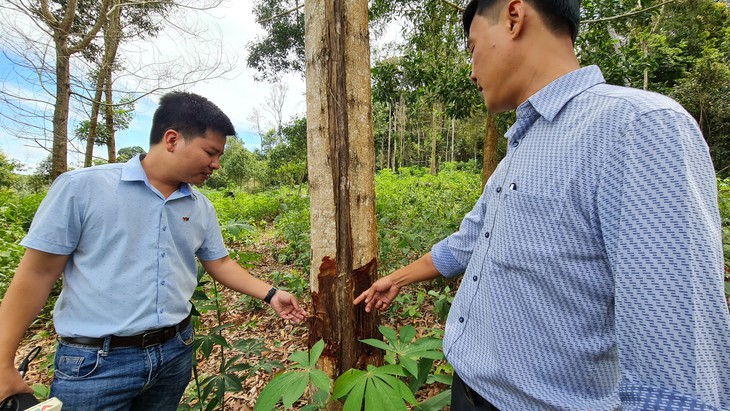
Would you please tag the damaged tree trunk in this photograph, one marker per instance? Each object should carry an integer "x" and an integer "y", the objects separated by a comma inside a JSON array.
[{"x": 341, "y": 163}]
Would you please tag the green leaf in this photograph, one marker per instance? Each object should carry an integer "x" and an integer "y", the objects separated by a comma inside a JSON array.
[
  {"x": 233, "y": 383},
  {"x": 320, "y": 380},
  {"x": 437, "y": 402},
  {"x": 296, "y": 388},
  {"x": 400, "y": 388},
  {"x": 410, "y": 365},
  {"x": 388, "y": 333},
  {"x": 407, "y": 334},
  {"x": 301, "y": 358},
  {"x": 272, "y": 392},
  {"x": 377, "y": 344},
  {"x": 355, "y": 396},
  {"x": 347, "y": 381},
  {"x": 392, "y": 369},
  {"x": 316, "y": 351}
]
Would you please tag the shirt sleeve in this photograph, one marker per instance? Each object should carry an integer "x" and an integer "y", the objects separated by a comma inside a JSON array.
[
  {"x": 213, "y": 247},
  {"x": 452, "y": 254},
  {"x": 56, "y": 226},
  {"x": 660, "y": 224}
]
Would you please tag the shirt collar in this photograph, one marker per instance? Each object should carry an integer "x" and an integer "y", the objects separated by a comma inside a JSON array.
[
  {"x": 133, "y": 171},
  {"x": 549, "y": 100}
]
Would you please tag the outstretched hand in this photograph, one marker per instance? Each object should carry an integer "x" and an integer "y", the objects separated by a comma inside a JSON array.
[
  {"x": 379, "y": 295},
  {"x": 287, "y": 306}
]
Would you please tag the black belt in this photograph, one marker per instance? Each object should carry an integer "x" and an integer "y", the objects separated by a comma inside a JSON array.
[{"x": 146, "y": 339}]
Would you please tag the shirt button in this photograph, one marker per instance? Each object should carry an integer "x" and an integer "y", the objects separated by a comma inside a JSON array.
[
  {"x": 461, "y": 319},
  {"x": 162, "y": 310},
  {"x": 474, "y": 278},
  {"x": 486, "y": 235},
  {"x": 515, "y": 143},
  {"x": 162, "y": 282},
  {"x": 164, "y": 228},
  {"x": 499, "y": 189},
  {"x": 162, "y": 254}
]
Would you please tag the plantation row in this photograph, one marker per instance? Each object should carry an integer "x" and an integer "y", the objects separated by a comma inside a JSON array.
[{"x": 414, "y": 210}]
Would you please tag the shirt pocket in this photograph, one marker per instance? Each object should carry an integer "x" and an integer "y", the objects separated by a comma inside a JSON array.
[{"x": 526, "y": 232}]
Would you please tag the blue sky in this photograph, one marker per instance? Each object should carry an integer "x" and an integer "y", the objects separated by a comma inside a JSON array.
[{"x": 237, "y": 95}]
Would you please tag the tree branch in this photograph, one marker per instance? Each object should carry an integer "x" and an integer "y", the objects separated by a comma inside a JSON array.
[
  {"x": 631, "y": 13},
  {"x": 282, "y": 14}
]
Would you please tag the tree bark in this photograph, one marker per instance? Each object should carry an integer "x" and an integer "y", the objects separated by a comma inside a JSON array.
[
  {"x": 435, "y": 132},
  {"x": 341, "y": 166},
  {"x": 112, "y": 38},
  {"x": 64, "y": 51},
  {"x": 489, "y": 162}
]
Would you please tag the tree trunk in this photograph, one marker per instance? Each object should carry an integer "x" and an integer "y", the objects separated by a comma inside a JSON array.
[
  {"x": 489, "y": 163},
  {"x": 64, "y": 51},
  {"x": 341, "y": 180},
  {"x": 112, "y": 37},
  {"x": 94, "y": 120},
  {"x": 390, "y": 128},
  {"x": 435, "y": 132},
  {"x": 59, "y": 154}
]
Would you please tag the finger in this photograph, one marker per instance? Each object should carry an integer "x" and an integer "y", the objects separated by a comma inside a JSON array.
[{"x": 361, "y": 297}]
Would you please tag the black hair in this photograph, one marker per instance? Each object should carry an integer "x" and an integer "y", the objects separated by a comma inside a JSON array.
[
  {"x": 189, "y": 114},
  {"x": 558, "y": 14}
]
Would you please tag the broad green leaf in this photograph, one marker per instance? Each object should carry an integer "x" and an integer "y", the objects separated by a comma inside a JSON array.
[
  {"x": 386, "y": 397},
  {"x": 355, "y": 397},
  {"x": 410, "y": 365},
  {"x": 400, "y": 388},
  {"x": 392, "y": 369},
  {"x": 437, "y": 402},
  {"x": 301, "y": 358},
  {"x": 346, "y": 381},
  {"x": 272, "y": 392},
  {"x": 388, "y": 333},
  {"x": 316, "y": 351},
  {"x": 320, "y": 380},
  {"x": 407, "y": 334},
  {"x": 296, "y": 388},
  {"x": 233, "y": 383},
  {"x": 377, "y": 344}
]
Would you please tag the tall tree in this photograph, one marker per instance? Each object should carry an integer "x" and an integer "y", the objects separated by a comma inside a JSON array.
[
  {"x": 68, "y": 40},
  {"x": 341, "y": 180}
]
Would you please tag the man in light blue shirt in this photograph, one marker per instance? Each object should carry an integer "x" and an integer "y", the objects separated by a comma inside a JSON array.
[
  {"x": 126, "y": 237},
  {"x": 592, "y": 263}
]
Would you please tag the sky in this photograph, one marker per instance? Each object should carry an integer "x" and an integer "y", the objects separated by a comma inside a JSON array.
[{"x": 231, "y": 24}]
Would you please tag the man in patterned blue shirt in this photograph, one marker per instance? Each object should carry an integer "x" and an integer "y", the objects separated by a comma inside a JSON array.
[
  {"x": 593, "y": 266},
  {"x": 127, "y": 237}
]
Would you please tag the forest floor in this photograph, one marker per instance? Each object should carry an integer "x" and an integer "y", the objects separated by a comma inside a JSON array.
[{"x": 281, "y": 338}]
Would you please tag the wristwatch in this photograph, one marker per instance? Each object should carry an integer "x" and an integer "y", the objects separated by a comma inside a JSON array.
[{"x": 270, "y": 295}]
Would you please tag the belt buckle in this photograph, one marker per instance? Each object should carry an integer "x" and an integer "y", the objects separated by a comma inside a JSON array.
[{"x": 153, "y": 338}]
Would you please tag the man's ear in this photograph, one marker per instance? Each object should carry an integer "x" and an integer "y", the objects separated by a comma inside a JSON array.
[
  {"x": 515, "y": 17},
  {"x": 171, "y": 138}
]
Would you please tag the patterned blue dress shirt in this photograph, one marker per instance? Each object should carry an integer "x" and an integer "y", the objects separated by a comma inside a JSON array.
[{"x": 593, "y": 267}]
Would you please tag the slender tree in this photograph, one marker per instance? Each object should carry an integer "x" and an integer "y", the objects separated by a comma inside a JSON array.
[{"x": 341, "y": 180}]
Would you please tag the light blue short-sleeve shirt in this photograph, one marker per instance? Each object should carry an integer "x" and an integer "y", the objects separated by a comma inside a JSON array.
[{"x": 132, "y": 252}]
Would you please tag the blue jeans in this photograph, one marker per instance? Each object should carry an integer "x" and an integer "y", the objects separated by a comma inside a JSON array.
[{"x": 129, "y": 378}]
